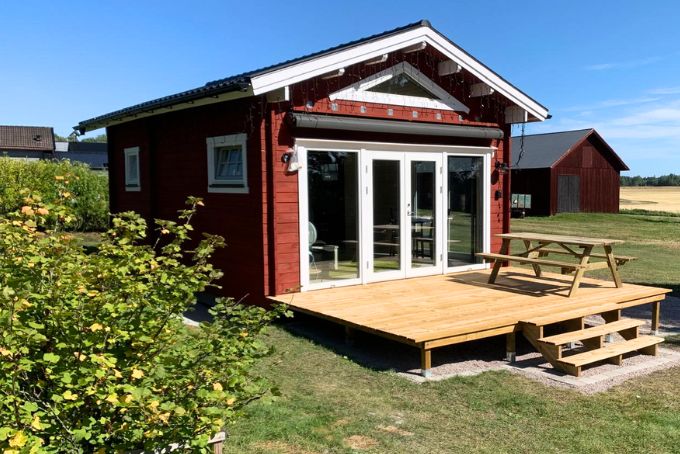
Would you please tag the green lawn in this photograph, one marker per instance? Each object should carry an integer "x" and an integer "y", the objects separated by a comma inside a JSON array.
[{"x": 332, "y": 404}]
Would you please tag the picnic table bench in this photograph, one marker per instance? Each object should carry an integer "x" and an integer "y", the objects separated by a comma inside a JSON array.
[{"x": 538, "y": 246}]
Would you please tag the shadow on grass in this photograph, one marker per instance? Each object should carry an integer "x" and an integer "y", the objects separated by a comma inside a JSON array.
[{"x": 380, "y": 354}]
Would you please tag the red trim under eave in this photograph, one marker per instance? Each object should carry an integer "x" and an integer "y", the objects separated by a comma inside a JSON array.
[{"x": 622, "y": 165}]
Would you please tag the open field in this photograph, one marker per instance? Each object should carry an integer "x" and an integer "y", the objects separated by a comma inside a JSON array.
[
  {"x": 332, "y": 402},
  {"x": 651, "y": 198}
]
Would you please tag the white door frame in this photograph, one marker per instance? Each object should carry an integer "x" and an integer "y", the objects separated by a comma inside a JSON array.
[
  {"x": 486, "y": 207},
  {"x": 366, "y": 149},
  {"x": 439, "y": 215},
  {"x": 367, "y": 262}
]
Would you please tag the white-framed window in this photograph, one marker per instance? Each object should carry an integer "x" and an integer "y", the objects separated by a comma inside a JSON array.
[
  {"x": 227, "y": 164},
  {"x": 132, "y": 177}
]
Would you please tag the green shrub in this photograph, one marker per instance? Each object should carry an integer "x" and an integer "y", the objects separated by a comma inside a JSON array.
[
  {"x": 89, "y": 188},
  {"x": 94, "y": 353}
]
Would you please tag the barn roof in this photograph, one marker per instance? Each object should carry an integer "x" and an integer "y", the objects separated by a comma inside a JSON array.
[
  {"x": 539, "y": 151},
  {"x": 280, "y": 75},
  {"x": 26, "y": 138}
]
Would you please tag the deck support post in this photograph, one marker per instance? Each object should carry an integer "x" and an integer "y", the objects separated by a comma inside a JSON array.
[
  {"x": 425, "y": 362},
  {"x": 349, "y": 336},
  {"x": 510, "y": 347},
  {"x": 656, "y": 314}
]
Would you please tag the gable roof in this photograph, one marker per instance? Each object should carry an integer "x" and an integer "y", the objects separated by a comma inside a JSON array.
[
  {"x": 539, "y": 151},
  {"x": 27, "y": 138},
  {"x": 278, "y": 76}
]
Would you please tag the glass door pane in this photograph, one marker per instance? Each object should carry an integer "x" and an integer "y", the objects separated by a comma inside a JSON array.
[
  {"x": 386, "y": 190},
  {"x": 423, "y": 213},
  {"x": 465, "y": 210},
  {"x": 333, "y": 216}
]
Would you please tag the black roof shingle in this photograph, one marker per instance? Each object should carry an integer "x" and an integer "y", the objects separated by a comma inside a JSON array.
[
  {"x": 27, "y": 138},
  {"x": 539, "y": 151}
]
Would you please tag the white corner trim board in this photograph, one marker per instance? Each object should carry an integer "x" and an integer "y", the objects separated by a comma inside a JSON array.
[
  {"x": 372, "y": 50},
  {"x": 360, "y": 91}
]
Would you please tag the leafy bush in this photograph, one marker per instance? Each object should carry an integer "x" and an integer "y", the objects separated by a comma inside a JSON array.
[
  {"x": 94, "y": 353},
  {"x": 90, "y": 189}
]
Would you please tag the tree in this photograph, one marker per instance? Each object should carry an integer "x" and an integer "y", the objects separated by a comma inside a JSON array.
[
  {"x": 101, "y": 138},
  {"x": 95, "y": 355}
]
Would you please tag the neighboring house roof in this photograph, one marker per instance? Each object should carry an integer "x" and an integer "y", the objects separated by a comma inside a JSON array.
[
  {"x": 283, "y": 74},
  {"x": 27, "y": 138},
  {"x": 93, "y": 154},
  {"x": 539, "y": 151}
]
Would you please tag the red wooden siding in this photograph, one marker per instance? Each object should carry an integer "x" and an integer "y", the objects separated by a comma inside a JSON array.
[
  {"x": 599, "y": 179},
  {"x": 173, "y": 161},
  {"x": 262, "y": 228},
  {"x": 285, "y": 216}
]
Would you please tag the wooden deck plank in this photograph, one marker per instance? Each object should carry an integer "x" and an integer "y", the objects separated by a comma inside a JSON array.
[{"x": 453, "y": 308}]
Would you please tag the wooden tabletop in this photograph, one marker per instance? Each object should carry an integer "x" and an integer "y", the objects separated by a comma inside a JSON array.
[{"x": 565, "y": 239}]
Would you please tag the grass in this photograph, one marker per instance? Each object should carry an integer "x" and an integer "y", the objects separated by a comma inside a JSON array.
[{"x": 331, "y": 404}]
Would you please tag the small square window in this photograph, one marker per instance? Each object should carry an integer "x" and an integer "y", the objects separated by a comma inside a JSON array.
[
  {"x": 227, "y": 169},
  {"x": 132, "y": 177}
]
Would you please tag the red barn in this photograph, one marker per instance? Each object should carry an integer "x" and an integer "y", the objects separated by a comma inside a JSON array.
[
  {"x": 565, "y": 172},
  {"x": 379, "y": 159}
]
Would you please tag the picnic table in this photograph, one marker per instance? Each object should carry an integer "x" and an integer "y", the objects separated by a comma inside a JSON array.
[{"x": 538, "y": 246}]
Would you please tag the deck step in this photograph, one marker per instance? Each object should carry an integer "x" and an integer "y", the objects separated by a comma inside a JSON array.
[
  {"x": 609, "y": 351},
  {"x": 570, "y": 314},
  {"x": 595, "y": 331}
]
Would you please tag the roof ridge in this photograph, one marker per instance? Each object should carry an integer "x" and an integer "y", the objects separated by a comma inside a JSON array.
[
  {"x": 246, "y": 74},
  {"x": 26, "y": 126}
]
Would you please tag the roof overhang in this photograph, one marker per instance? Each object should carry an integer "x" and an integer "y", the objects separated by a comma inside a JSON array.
[
  {"x": 279, "y": 77},
  {"x": 292, "y": 74},
  {"x": 185, "y": 100}
]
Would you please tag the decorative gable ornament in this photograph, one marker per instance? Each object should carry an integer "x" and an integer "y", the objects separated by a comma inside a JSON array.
[{"x": 401, "y": 85}]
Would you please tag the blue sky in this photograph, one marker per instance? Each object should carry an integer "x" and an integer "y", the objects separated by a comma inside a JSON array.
[{"x": 612, "y": 65}]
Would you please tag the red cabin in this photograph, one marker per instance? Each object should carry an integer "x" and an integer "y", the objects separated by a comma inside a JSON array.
[
  {"x": 379, "y": 159},
  {"x": 565, "y": 172}
]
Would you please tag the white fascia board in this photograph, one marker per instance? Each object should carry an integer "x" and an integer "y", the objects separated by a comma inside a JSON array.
[
  {"x": 486, "y": 75},
  {"x": 328, "y": 63},
  {"x": 322, "y": 65}
]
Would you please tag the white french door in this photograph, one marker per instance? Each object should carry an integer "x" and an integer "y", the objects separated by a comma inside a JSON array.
[
  {"x": 380, "y": 211},
  {"x": 402, "y": 206}
]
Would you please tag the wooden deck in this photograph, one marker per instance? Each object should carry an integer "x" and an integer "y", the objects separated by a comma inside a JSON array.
[{"x": 441, "y": 310}]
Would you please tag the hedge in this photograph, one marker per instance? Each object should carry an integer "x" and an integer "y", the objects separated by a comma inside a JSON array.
[{"x": 89, "y": 188}]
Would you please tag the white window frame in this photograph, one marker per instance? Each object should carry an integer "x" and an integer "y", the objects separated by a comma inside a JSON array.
[
  {"x": 366, "y": 150},
  {"x": 131, "y": 185},
  {"x": 359, "y": 91},
  {"x": 487, "y": 155},
  {"x": 213, "y": 144}
]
